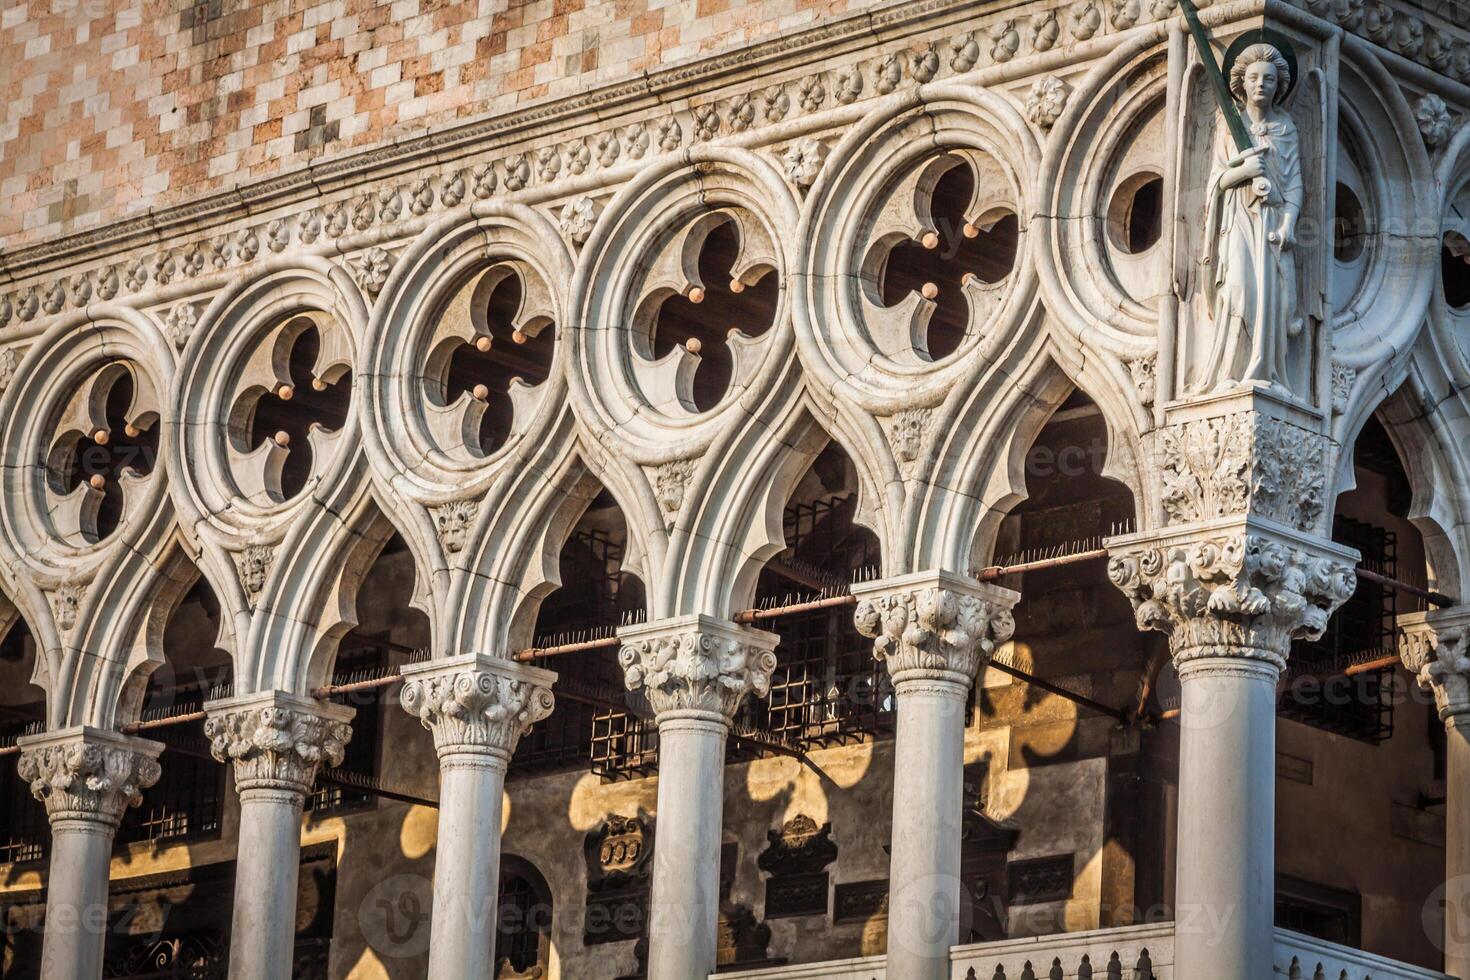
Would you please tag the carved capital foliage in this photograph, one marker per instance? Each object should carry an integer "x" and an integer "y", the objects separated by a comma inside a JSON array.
[
  {"x": 930, "y": 622},
  {"x": 477, "y": 703},
  {"x": 695, "y": 663},
  {"x": 88, "y": 774},
  {"x": 1435, "y": 648},
  {"x": 1233, "y": 591},
  {"x": 1243, "y": 463},
  {"x": 277, "y": 740}
]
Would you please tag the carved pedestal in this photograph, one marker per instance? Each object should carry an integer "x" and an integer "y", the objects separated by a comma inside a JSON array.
[
  {"x": 1232, "y": 595},
  {"x": 934, "y": 631},
  {"x": 276, "y": 741},
  {"x": 695, "y": 672},
  {"x": 86, "y": 777},
  {"x": 1435, "y": 647},
  {"x": 478, "y": 707}
]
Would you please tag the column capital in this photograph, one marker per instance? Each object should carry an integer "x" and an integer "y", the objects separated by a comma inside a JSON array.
[
  {"x": 697, "y": 664},
  {"x": 1435, "y": 648},
  {"x": 477, "y": 703},
  {"x": 277, "y": 740},
  {"x": 934, "y": 623},
  {"x": 1239, "y": 588},
  {"x": 88, "y": 774}
]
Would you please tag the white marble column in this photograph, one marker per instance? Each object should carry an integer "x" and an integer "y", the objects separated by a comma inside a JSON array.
[
  {"x": 1435, "y": 647},
  {"x": 87, "y": 778},
  {"x": 477, "y": 708},
  {"x": 695, "y": 671},
  {"x": 933, "y": 630},
  {"x": 276, "y": 741},
  {"x": 1231, "y": 596}
]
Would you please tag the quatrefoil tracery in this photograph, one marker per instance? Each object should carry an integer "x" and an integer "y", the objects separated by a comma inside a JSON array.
[
  {"x": 941, "y": 250},
  {"x": 103, "y": 450},
  {"x": 707, "y": 303},
  {"x": 293, "y": 395},
  {"x": 489, "y": 353}
]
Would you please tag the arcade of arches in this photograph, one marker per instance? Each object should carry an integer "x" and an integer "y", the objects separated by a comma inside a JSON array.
[{"x": 901, "y": 494}]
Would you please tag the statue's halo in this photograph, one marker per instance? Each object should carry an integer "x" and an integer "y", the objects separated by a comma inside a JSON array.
[{"x": 1280, "y": 42}]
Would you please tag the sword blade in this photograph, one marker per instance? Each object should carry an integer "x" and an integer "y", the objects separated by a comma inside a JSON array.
[{"x": 1238, "y": 130}]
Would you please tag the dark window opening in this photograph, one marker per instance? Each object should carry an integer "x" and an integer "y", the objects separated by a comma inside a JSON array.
[
  {"x": 827, "y": 689},
  {"x": 509, "y": 354},
  {"x": 986, "y": 251},
  {"x": 722, "y": 307},
  {"x": 1136, "y": 213},
  {"x": 1349, "y": 227},
  {"x": 523, "y": 923},
  {"x": 597, "y": 723},
  {"x": 1319, "y": 692},
  {"x": 360, "y": 760},
  {"x": 309, "y": 403},
  {"x": 1331, "y": 914},
  {"x": 1454, "y": 263}
]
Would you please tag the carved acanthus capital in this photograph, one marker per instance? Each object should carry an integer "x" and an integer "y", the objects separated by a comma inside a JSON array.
[
  {"x": 697, "y": 663},
  {"x": 1234, "y": 589},
  {"x": 88, "y": 773},
  {"x": 934, "y": 622},
  {"x": 477, "y": 703},
  {"x": 1435, "y": 648},
  {"x": 277, "y": 740}
]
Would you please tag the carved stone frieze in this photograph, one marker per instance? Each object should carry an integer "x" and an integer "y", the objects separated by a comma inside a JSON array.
[
  {"x": 477, "y": 703},
  {"x": 368, "y": 206},
  {"x": 696, "y": 663},
  {"x": 933, "y": 622},
  {"x": 1242, "y": 463},
  {"x": 88, "y": 773},
  {"x": 1435, "y": 648},
  {"x": 1234, "y": 591},
  {"x": 277, "y": 741}
]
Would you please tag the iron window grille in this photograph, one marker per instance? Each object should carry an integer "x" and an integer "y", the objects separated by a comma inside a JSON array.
[
  {"x": 25, "y": 834},
  {"x": 1360, "y": 706},
  {"x": 361, "y": 755}
]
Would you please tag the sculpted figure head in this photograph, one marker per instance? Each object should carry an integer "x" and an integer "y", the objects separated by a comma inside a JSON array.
[{"x": 1260, "y": 76}]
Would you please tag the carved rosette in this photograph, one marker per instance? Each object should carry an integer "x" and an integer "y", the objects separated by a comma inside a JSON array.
[
  {"x": 696, "y": 663},
  {"x": 277, "y": 741},
  {"x": 1239, "y": 592},
  {"x": 928, "y": 623},
  {"x": 477, "y": 704},
  {"x": 1243, "y": 462},
  {"x": 88, "y": 774},
  {"x": 1435, "y": 648}
]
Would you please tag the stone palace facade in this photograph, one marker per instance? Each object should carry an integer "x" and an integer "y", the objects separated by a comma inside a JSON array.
[{"x": 612, "y": 489}]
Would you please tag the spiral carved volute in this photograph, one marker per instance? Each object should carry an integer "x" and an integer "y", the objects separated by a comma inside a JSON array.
[
  {"x": 1240, "y": 594},
  {"x": 933, "y": 628},
  {"x": 84, "y": 778},
  {"x": 470, "y": 707},
  {"x": 277, "y": 745},
  {"x": 697, "y": 665},
  {"x": 1435, "y": 648}
]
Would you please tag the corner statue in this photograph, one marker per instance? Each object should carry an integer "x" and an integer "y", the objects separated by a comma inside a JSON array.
[{"x": 1255, "y": 197}]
